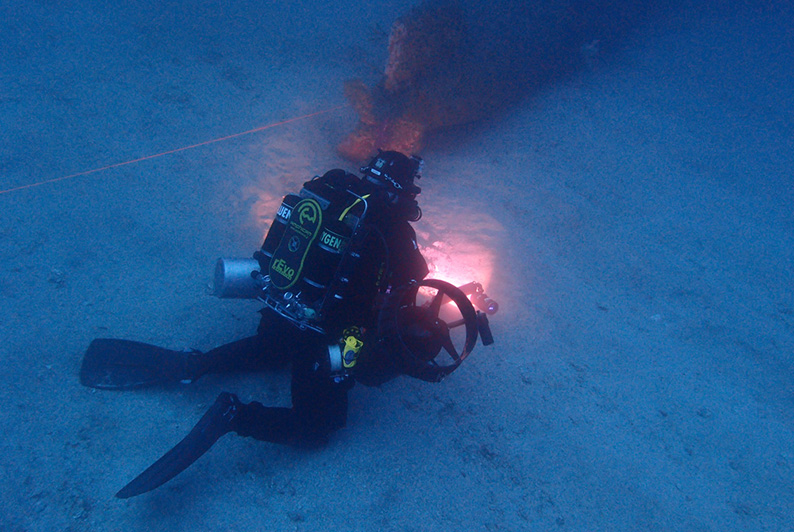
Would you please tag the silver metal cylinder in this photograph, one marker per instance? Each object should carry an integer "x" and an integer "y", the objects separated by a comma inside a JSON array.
[{"x": 233, "y": 278}]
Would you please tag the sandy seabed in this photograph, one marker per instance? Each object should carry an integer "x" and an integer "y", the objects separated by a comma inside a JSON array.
[{"x": 634, "y": 221}]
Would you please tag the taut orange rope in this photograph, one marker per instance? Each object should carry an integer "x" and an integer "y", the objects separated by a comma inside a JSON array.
[{"x": 169, "y": 152}]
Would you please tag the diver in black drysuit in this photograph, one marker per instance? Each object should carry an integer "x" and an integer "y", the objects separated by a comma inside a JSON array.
[
  {"x": 388, "y": 258},
  {"x": 319, "y": 402}
]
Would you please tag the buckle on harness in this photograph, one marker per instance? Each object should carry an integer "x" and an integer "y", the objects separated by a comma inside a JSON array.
[{"x": 343, "y": 355}]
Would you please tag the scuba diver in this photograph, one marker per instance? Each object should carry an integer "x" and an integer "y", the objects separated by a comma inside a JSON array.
[{"x": 339, "y": 274}]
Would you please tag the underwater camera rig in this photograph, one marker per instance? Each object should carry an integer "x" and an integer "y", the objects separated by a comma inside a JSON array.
[{"x": 303, "y": 272}]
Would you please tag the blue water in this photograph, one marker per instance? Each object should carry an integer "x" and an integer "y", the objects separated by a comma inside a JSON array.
[{"x": 627, "y": 196}]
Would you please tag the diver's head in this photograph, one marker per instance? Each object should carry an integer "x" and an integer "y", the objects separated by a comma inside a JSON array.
[{"x": 393, "y": 174}]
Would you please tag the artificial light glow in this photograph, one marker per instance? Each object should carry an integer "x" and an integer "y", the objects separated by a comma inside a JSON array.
[
  {"x": 264, "y": 209},
  {"x": 458, "y": 243},
  {"x": 458, "y": 262}
]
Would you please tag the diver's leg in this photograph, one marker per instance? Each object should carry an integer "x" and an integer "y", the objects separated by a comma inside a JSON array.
[
  {"x": 113, "y": 364},
  {"x": 319, "y": 407},
  {"x": 247, "y": 354},
  {"x": 268, "y": 350}
]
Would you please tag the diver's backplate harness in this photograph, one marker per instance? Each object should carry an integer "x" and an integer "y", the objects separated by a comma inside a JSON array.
[{"x": 304, "y": 269}]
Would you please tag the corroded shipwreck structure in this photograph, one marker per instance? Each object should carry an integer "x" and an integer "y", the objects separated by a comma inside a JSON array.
[
  {"x": 445, "y": 69},
  {"x": 424, "y": 86}
]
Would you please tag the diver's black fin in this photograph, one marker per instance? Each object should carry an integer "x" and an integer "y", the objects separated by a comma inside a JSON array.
[
  {"x": 214, "y": 424},
  {"x": 111, "y": 364}
]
